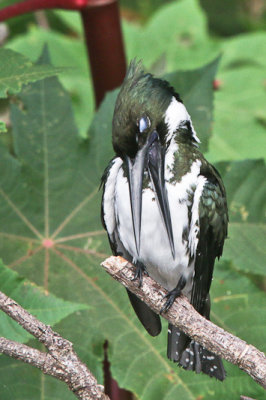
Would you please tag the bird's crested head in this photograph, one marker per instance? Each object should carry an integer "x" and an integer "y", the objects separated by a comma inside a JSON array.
[{"x": 144, "y": 105}]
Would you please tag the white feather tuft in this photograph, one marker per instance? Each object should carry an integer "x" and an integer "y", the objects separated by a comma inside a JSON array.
[
  {"x": 175, "y": 115},
  {"x": 194, "y": 226},
  {"x": 109, "y": 194}
]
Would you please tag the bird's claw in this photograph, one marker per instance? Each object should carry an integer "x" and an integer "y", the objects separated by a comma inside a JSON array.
[
  {"x": 140, "y": 270},
  {"x": 170, "y": 296},
  {"x": 138, "y": 275},
  {"x": 173, "y": 294}
]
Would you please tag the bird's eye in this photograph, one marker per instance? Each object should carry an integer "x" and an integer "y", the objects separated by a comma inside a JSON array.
[{"x": 144, "y": 123}]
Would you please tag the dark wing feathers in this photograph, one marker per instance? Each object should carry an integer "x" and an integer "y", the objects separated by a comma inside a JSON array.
[{"x": 213, "y": 220}]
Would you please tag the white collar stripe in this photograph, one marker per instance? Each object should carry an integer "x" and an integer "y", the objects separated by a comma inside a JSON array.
[{"x": 175, "y": 115}]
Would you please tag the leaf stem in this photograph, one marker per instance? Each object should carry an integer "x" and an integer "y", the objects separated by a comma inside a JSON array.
[{"x": 79, "y": 236}]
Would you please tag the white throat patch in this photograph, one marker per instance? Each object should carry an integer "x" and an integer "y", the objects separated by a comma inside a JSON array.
[{"x": 175, "y": 115}]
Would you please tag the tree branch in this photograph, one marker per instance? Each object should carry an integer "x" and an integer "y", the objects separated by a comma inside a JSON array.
[
  {"x": 61, "y": 361},
  {"x": 184, "y": 316}
]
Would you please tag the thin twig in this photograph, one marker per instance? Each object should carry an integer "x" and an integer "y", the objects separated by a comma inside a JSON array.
[
  {"x": 185, "y": 317},
  {"x": 60, "y": 361}
]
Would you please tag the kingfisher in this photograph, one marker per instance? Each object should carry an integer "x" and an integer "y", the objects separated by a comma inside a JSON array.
[{"x": 164, "y": 207}]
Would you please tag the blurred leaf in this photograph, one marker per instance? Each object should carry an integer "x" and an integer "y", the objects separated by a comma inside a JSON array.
[
  {"x": 178, "y": 30},
  {"x": 16, "y": 70},
  {"x": 240, "y": 303},
  {"x": 142, "y": 8},
  {"x": 68, "y": 52},
  {"x": 158, "y": 68},
  {"x": 246, "y": 246},
  {"x": 246, "y": 194},
  {"x": 46, "y": 307},
  {"x": 196, "y": 90},
  {"x": 72, "y": 19},
  {"x": 2, "y": 127},
  {"x": 244, "y": 182},
  {"x": 245, "y": 48},
  {"x": 239, "y": 104}
]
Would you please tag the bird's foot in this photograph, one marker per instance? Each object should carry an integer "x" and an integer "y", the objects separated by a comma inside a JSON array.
[
  {"x": 173, "y": 294},
  {"x": 140, "y": 270}
]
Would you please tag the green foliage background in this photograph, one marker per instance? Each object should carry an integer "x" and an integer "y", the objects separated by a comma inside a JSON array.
[{"x": 49, "y": 180}]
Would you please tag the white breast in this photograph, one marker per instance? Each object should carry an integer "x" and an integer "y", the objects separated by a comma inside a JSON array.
[
  {"x": 109, "y": 196},
  {"x": 155, "y": 252}
]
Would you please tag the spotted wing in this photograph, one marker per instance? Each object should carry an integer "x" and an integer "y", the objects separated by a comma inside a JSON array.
[
  {"x": 213, "y": 220},
  {"x": 212, "y": 223}
]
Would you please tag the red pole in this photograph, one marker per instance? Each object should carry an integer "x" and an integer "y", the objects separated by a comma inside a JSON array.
[
  {"x": 27, "y": 6},
  {"x": 105, "y": 46}
]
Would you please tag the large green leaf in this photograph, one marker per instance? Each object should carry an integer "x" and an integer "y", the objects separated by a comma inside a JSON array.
[
  {"x": 16, "y": 70},
  {"x": 46, "y": 307},
  {"x": 240, "y": 129},
  {"x": 72, "y": 19},
  {"x": 246, "y": 193},
  {"x": 43, "y": 188},
  {"x": 178, "y": 30},
  {"x": 244, "y": 50},
  {"x": 49, "y": 190},
  {"x": 68, "y": 52}
]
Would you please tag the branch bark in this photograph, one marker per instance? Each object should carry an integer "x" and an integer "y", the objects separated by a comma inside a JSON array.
[
  {"x": 185, "y": 317},
  {"x": 60, "y": 361}
]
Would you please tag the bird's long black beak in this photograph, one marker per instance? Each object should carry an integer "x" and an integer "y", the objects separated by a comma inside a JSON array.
[
  {"x": 151, "y": 155},
  {"x": 135, "y": 169}
]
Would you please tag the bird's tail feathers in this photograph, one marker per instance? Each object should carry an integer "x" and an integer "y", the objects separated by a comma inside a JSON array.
[
  {"x": 149, "y": 319},
  {"x": 192, "y": 356}
]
